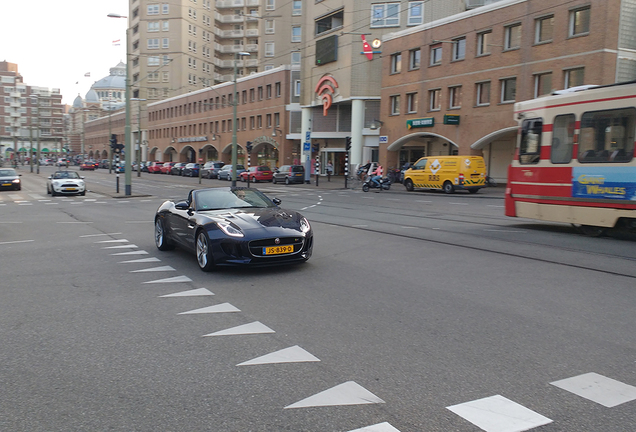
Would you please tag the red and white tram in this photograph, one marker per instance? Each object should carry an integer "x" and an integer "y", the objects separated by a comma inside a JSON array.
[{"x": 574, "y": 161}]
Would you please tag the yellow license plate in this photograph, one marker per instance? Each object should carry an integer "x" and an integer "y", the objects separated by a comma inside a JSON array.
[
  {"x": 6, "y": 184},
  {"x": 277, "y": 250},
  {"x": 70, "y": 189}
]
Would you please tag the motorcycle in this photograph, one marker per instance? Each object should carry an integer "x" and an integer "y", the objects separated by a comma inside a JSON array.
[{"x": 385, "y": 184}]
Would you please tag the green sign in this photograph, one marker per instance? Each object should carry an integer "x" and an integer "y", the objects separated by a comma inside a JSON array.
[
  {"x": 418, "y": 123},
  {"x": 451, "y": 119}
]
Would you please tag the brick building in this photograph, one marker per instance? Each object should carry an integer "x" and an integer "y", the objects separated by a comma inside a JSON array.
[{"x": 450, "y": 86}]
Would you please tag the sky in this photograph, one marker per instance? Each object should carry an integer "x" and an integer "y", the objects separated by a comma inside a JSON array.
[{"x": 56, "y": 42}]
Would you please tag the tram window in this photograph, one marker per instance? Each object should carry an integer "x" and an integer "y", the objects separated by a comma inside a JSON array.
[
  {"x": 530, "y": 146},
  {"x": 562, "y": 139},
  {"x": 607, "y": 136}
]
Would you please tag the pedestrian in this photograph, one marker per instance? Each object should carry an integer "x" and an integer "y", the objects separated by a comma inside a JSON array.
[{"x": 329, "y": 170}]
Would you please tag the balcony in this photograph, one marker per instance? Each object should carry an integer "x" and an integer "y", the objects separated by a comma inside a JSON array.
[
  {"x": 229, "y": 19},
  {"x": 251, "y": 48},
  {"x": 228, "y": 49},
  {"x": 236, "y": 3},
  {"x": 230, "y": 33},
  {"x": 252, "y": 33}
]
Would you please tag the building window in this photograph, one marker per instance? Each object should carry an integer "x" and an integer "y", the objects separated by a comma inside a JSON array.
[
  {"x": 269, "y": 26},
  {"x": 268, "y": 121},
  {"x": 165, "y": 43},
  {"x": 435, "y": 99},
  {"x": 268, "y": 91},
  {"x": 436, "y": 55},
  {"x": 295, "y": 58},
  {"x": 414, "y": 59},
  {"x": 296, "y": 35},
  {"x": 411, "y": 103},
  {"x": 455, "y": 97},
  {"x": 153, "y": 26},
  {"x": 329, "y": 22},
  {"x": 574, "y": 77},
  {"x": 270, "y": 5},
  {"x": 153, "y": 61},
  {"x": 508, "y": 89},
  {"x": 395, "y": 105},
  {"x": 385, "y": 15},
  {"x": 297, "y": 7},
  {"x": 483, "y": 43},
  {"x": 153, "y": 9},
  {"x": 260, "y": 93},
  {"x": 396, "y": 63},
  {"x": 259, "y": 122},
  {"x": 277, "y": 88},
  {"x": 579, "y": 21},
  {"x": 542, "y": 84},
  {"x": 459, "y": 49},
  {"x": 252, "y": 122},
  {"x": 416, "y": 13},
  {"x": 153, "y": 43},
  {"x": 483, "y": 93},
  {"x": 512, "y": 37},
  {"x": 269, "y": 49},
  {"x": 543, "y": 29},
  {"x": 297, "y": 88},
  {"x": 165, "y": 25},
  {"x": 165, "y": 8},
  {"x": 276, "y": 119}
]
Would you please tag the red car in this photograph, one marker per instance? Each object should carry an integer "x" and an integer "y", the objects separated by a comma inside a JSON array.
[
  {"x": 257, "y": 173},
  {"x": 165, "y": 169},
  {"x": 155, "y": 167},
  {"x": 88, "y": 165}
]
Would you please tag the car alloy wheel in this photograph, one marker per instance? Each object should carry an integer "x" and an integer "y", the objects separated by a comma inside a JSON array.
[
  {"x": 204, "y": 255},
  {"x": 160, "y": 236}
]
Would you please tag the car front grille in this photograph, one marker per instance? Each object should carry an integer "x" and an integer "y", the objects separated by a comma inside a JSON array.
[{"x": 257, "y": 246}]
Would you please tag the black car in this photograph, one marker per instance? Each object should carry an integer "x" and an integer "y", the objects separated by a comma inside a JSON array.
[
  {"x": 10, "y": 179},
  {"x": 289, "y": 174},
  {"x": 233, "y": 226},
  {"x": 190, "y": 170},
  {"x": 177, "y": 169}
]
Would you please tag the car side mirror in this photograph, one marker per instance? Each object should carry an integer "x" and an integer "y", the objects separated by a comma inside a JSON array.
[
  {"x": 182, "y": 205},
  {"x": 276, "y": 201}
]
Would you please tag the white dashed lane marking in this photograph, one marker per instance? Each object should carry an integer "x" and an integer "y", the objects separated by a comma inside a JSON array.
[{"x": 597, "y": 388}]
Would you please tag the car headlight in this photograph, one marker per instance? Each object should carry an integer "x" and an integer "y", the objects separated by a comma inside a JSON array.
[
  {"x": 304, "y": 225},
  {"x": 230, "y": 229},
  {"x": 16, "y": 181}
]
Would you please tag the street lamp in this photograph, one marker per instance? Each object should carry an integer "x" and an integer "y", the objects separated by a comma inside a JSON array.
[
  {"x": 235, "y": 127},
  {"x": 138, "y": 153},
  {"x": 128, "y": 146}
]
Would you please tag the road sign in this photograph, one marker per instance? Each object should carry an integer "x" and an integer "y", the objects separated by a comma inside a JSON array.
[{"x": 306, "y": 145}]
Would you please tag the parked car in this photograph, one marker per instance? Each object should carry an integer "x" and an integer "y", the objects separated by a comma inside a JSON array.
[
  {"x": 289, "y": 174},
  {"x": 177, "y": 169},
  {"x": 155, "y": 167},
  {"x": 211, "y": 169},
  {"x": 88, "y": 165},
  {"x": 233, "y": 226},
  {"x": 257, "y": 173},
  {"x": 225, "y": 173},
  {"x": 46, "y": 162},
  {"x": 165, "y": 169},
  {"x": 65, "y": 183},
  {"x": 62, "y": 162},
  {"x": 104, "y": 163},
  {"x": 10, "y": 179},
  {"x": 191, "y": 170}
]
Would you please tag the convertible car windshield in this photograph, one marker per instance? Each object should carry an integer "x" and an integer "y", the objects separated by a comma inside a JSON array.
[
  {"x": 66, "y": 174},
  {"x": 7, "y": 172},
  {"x": 218, "y": 199}
]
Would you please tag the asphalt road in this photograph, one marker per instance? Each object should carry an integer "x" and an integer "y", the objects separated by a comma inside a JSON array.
[{"x": 417, "y": 312}]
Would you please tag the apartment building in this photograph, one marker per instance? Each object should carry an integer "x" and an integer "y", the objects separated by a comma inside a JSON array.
[
  {"x": 341, "y": 72},
  {"x": 449, "y": 86},
  {"x": 32, "y": 117}
]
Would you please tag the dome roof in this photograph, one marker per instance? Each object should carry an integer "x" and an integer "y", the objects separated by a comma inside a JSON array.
[
  {"x": 91, "y": 96},
  {"x": 78, "y": 103},
  {"x": 116, "y": 79}
]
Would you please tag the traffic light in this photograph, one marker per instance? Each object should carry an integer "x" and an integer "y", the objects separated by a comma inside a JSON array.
[
  {"x": 113, "y": 142},
  {"x": 348, "y": 143},
  {"x": 248, "y": 146},
  {"x": 315, "y": 147}
]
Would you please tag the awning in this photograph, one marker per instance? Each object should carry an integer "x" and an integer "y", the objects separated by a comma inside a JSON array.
[
  {"x": 22, "y": 149},
  {"x": 484, "y": 141},
  {"x": 45, "y": 150}
]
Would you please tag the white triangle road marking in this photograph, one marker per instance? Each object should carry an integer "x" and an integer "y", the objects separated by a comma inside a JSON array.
[
  {"x": 141, "y": 260},
  {"x": 113, "y": 241},
  {"x": 293, "y": 354},
  {"x": 129, "y": 246},
  {"x": 348, "y": 393},
  {"x": 191, "y": 293},
  {"x": 224, "y": 307},
  {"x": 380, "y": 427},
  {"x": 154, "y": 269},
  {"x": 140, "y": 252},
  {"x": 498, "y": 414},
  {"x": 171, "y": 280},
  {"x": 255, "y": 327}
]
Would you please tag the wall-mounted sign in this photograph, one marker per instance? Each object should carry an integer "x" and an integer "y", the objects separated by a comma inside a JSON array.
[
  {"x": 193, "y": 139},
  {"x": 325, "y": 89},
  {"x": 423, "y": 122},
  {"x": 451, "y": 119},
  {"x": 384, "y": 139}
]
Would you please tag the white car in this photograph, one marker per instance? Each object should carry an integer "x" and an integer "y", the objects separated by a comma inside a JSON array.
[
  {"x": 62, "y": 162},
  {"x": 65, "y": 183}
]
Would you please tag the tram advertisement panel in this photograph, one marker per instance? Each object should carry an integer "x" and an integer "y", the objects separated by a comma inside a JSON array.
[{"x": 604, "y": 182}]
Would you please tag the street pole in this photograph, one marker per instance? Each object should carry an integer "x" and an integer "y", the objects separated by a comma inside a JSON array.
[
  {"x": 138, "y": 151},
  {"x": 235, "y": 127},
  {"x": 128, "y": 144}
]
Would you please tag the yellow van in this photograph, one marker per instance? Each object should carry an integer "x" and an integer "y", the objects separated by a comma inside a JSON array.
[{"x": 447, "y": 173}]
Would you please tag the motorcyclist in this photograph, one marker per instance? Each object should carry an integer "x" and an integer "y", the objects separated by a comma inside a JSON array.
[{"x": 377, "y": 176}]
